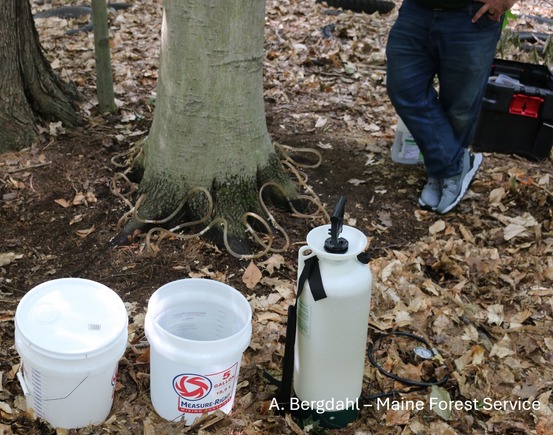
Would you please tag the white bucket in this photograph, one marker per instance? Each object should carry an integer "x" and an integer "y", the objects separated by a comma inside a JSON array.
[
  {"x": 70, "y": 334},
  {"x": 198, "y": 330}
]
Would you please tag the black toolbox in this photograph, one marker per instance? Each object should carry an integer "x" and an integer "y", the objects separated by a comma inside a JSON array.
[{"x": 517, "y": 115}]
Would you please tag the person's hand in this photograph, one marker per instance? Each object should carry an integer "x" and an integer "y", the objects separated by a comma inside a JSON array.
[{"x": 494, "y": 8}]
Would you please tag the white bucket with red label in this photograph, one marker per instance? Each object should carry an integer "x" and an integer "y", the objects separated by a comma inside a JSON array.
[
  {"x": 198, "y": 330},
  {"x": 70, "y": 334}
]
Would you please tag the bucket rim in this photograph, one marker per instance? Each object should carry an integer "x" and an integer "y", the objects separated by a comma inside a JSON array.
[
  {"x": 158, "y": 329},
  {"x": 151, "y": 323},
  {"x": 188, "y": 282}
]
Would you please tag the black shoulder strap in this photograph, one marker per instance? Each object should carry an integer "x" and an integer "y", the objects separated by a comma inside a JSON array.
[{"x": 312, "y": 274}]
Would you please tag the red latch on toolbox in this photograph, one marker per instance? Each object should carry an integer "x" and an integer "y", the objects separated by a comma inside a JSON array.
[{"x": 525, "y": 105}]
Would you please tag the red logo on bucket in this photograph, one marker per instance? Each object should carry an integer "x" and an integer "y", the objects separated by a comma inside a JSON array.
[{"x": 191, "y": 386}]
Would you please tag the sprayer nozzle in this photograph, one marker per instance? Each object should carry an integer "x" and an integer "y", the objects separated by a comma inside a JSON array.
[{"x": 335, "y": 244}]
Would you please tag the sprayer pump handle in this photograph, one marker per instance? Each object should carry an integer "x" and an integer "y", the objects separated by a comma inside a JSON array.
[{"x": 335, "y": 244}]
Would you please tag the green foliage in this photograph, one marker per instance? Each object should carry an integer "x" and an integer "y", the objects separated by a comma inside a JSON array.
[{"x": 508, "y": 16}]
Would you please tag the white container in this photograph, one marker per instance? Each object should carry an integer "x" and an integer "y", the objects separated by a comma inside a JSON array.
[
  {"x": 331, "y": 336},
  {"x": 70, "y": 334},
  {"x": 405, "y": 149},
  {"x": 198, "y": 330}
]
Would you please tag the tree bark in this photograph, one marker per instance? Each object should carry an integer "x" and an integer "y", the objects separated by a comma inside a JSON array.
[
  {"x": 29, "y": 89},
  {"x": 209, "y": 128}
]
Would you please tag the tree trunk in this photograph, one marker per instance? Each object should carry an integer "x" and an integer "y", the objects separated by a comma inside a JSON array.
[
  {"x": 209, "y": 128},
  {"x": 29, "y": 89},
  {"x": 104, "y": 74}
]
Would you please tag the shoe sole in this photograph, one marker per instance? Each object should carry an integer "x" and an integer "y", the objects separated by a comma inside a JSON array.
[
  {"x": 425, "y": 206},
  {"x": 467, "y": 180}
]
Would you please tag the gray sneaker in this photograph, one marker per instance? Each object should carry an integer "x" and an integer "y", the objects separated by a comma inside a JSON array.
[
  {"x": 454, "y": 188},
  {"x": 431, "y": 193}
]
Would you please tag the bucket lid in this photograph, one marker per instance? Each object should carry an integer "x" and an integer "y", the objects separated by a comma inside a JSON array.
[{"x": 71, "y": 318}]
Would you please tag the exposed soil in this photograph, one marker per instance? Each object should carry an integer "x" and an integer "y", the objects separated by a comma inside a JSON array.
[
  {"x": 40, "y": 230},
  {"x": 58, "y": 215}
]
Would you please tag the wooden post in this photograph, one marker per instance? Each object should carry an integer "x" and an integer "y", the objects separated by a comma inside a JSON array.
[{"x": 104, "y": 77}]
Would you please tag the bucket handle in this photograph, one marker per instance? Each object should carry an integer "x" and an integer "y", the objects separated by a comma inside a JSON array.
[
  {"x": 22, "y": 382},
  {"x": 27, "y": 391}
]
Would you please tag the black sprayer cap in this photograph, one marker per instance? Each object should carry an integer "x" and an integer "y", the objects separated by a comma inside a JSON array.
[{"x": 335, "y": 244}]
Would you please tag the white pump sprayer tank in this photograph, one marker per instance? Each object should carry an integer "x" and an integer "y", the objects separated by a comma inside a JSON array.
[{"x": 331, "y": 337}]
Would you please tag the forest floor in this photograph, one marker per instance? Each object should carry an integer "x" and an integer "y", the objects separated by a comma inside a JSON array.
[{"x": 476, "y": 283}]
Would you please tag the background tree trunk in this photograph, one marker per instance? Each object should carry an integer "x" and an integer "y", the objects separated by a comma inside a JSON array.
[
  {"x": 28, "y": 87},
  {"x": 209, "y": 128},
  {"x": 104, "y": 74}
]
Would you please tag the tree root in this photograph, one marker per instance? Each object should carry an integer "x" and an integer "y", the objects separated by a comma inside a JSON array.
[{"x": 231, "y": 214}]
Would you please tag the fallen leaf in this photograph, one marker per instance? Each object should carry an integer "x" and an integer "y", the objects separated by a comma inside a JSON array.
[
  {"x": 513, "y": 230},
  {"x": 252, "y": 275},
  {"x": 5, "y": 407},
  {"x": 56, "y": 128},
  {"x": 397, "y": 417},
  {"x": 385, "y": 218},
  {"x": 79, "y": 199},
  {"x": 474, "y": 356},
  {"x": 502, "y": 348},
  {"x": 7, "y": 316},
  {"x": 495, "y": 314},
  {"x": 85, "y": 233},
  {"x": 268, "y": 316},
  {"x": 387, "y": 271},
  {"x": 62, "y": 202},
  {"x": 527, "y": 390},
  {"x": 321, "y": 122},
  {"x": 349, "y": 69},
  {"x": 439, "y": 402},
  {"x": 437, "y": 227},
  {"x": 467, "y": 235},
  {"x": 356, "y": 182},
  {"x": 144, "y": 358},
  {"x": 274, "y": 262},
  {"x": 324, "y": 146},
  {"x": 6, "y": 258},
  {"x": 149, "y": 428},
  {"x": 292, "y": 425},
  {"x": 497, "y": 195},
  {"x": 519, "y": 317},
  {"x": 284, "y": 288},
  {"x": 403, "y": 318},
  {"x": 90, "y": 198},
  {"x": 76, "y": 219}
]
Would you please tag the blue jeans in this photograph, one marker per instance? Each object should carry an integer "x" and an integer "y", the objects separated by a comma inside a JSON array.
[{"x": 424, "y": 44}]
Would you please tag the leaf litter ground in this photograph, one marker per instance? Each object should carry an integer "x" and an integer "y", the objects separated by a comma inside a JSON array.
[{"x": 477, "y": 283}]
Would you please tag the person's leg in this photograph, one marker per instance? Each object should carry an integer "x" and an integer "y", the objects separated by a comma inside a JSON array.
[
  {"x": 426, "y": 42},
  {"x": 466, "y": 52},
  {"x": 412, "y": 64},
  {"x": 411, "y": 68}
]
